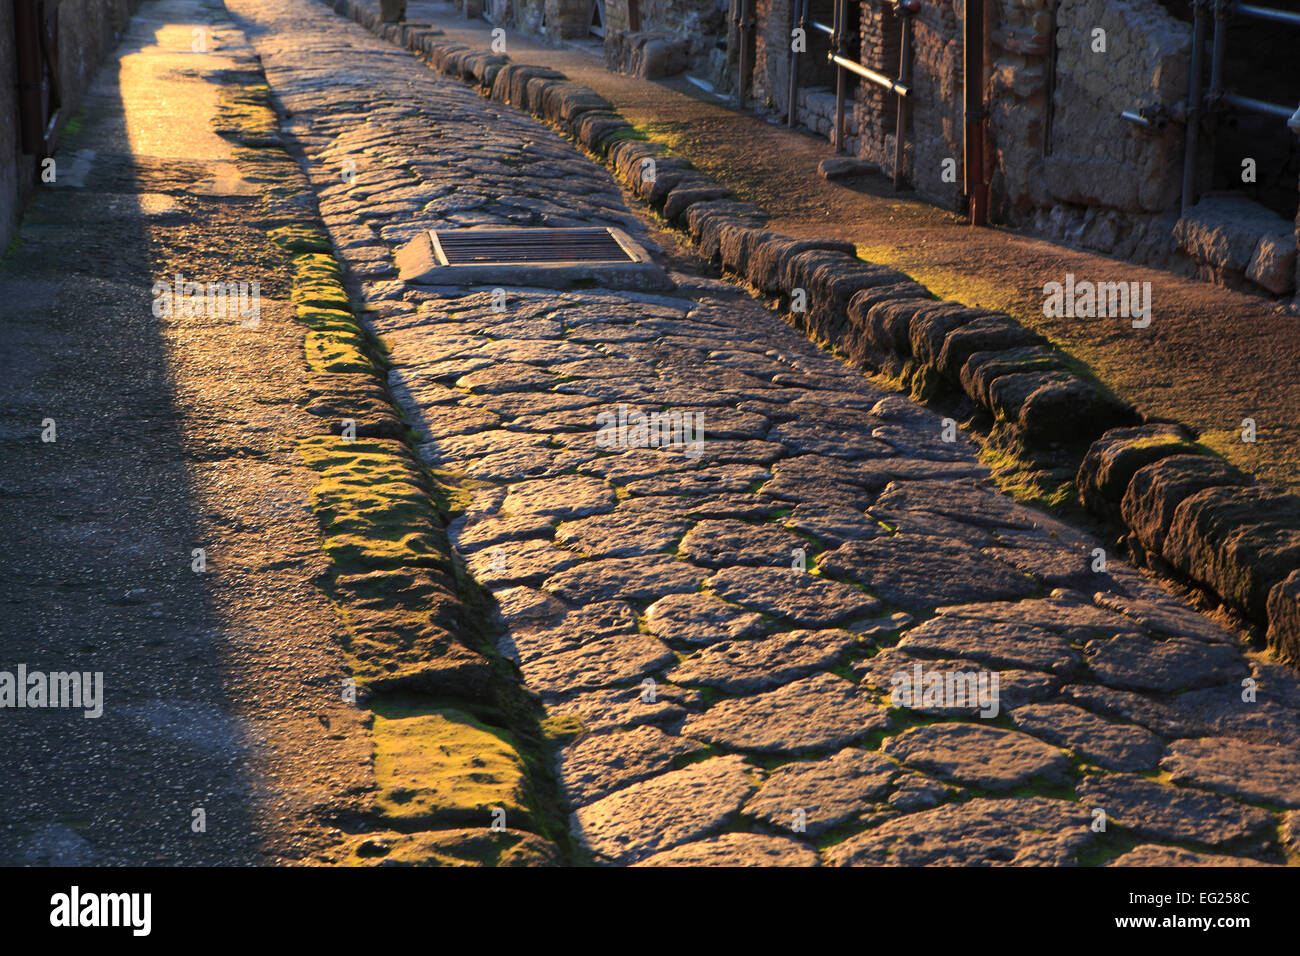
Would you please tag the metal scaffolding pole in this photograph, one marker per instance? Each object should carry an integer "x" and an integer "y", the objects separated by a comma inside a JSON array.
[
  {"x": 1193, "y": 106},
  {"x": 798, "y": 21},
  {"x": 841, "y": 81},
  {"x": 906, "y": 9}
]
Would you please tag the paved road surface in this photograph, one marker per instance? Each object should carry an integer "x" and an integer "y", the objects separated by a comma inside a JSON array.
[{"x": 727, "y": 620}]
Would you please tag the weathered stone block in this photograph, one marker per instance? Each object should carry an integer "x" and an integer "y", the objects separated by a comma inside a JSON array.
[
  {"x": 984, "y": 368},
  {"x": 1238, "y": 541},
  {"x": 1156, "y": 490},
  {"x": 1284, "y": 618},
  {"x": 1113, "y": 459},
  {"x": 993, "y": 333},
  {"x": 1071, "y": 411}
]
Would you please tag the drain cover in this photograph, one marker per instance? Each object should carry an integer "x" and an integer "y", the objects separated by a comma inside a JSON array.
[
  {"x": 459, "y": 247},
  {"x": 548, "y": 257}
]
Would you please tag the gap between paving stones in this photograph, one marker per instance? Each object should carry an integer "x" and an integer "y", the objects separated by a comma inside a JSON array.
[
  {"x": 1054, "y": 433},
  {"x": 455, "y": 745}
]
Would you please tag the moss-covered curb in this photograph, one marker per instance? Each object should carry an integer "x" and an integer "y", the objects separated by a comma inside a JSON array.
[{"x": 458, "y": 752}]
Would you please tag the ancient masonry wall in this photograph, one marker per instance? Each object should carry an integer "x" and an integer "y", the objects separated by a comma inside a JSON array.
[
  {"x": 1105, "y": 183},
  {"x": 88, "y": 30}
]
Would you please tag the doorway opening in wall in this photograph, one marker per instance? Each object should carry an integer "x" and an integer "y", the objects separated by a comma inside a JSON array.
[
  {"x": 597, "y": 26},
  {"x": 815, "y": 104},
  {"x": 1261, "y": 64},
  {"x": 1245, "y": 145}
]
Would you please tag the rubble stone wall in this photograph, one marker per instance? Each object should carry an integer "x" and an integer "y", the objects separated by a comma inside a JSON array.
[{"x": 88, "y": 30}]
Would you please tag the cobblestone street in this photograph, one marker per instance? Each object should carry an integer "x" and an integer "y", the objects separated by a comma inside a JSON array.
[{"x": 720, "y": 631}]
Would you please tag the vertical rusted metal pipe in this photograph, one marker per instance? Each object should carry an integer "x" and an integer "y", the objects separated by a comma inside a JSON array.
[
  {"x": 742, "y": 31},
  {"x": 973, "y": 101},
  {"x": 906, "y": 9},
  {"x": 1193, "y": 106},
  {"x": 841, "y": 79},
  {"x": 797, "y": 16}
]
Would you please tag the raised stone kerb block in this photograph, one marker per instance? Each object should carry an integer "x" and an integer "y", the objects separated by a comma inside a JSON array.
[
  {"x": 1240, "y": 542},
  {"x": 1114, "y": 458},
  {"x": 1156, "y": 490}
]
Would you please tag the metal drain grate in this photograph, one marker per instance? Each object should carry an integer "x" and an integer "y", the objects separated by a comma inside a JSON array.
[{"x": 484, "y": 247}]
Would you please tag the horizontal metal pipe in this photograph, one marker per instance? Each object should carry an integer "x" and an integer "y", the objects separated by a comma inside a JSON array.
[
  {"x": 1266, "y": 13},
  {"x": 823, "y": 27},
  {"x": 869, "y": 74},
  {"x": 1135, "y": 118},
  {"x": 1252, "y": 105}
]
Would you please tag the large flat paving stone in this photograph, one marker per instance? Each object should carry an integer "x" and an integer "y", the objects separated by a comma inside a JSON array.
[
  {"x": 996, "y": 643},
  {"x": 1136, "y": 662},
  {"x": 571, "y": 496},
  {"x": 1260, "y": 772},
  {"x": 698, "y": 618},
  {"x": 622, "y": 533},
  {"x": 599, "y": 764},
  {"x": 621, "y": 708},
  {"x": 921, "y": 573},
  {"x": 1103, "y": 742},
  {"x": 978, "y": 756},
  {"x": 756, "y": 664},
  {"x": 725, "y": 543},
  {"x": 664, "y": 811},
  {"x": 818, "y": 713},
  {"x": 737, "y": 849},
  {"x": 1031, "y": 831},
  {"x": 1155, "y": 855},
  {"x": 642, "y": 578},
  {"x": 825, "y": 793},
  {"x": 598, "y": 663},
  {"x": 1157, "y": 811},
  {"x": 797, "y": 596}
]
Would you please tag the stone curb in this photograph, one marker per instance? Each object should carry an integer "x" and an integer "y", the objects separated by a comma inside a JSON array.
[{"x": 1185, "y": 510}]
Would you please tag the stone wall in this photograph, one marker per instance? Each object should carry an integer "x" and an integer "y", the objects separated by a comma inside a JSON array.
[
  {"x": 690, "y": 28},
  {"x": 1106, "y": 183},
  {"x": 934, "y": 132},
  {"x": 88, "y": 30}
]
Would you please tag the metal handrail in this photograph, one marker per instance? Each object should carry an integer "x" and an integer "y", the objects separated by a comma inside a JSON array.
[
  {"x": 867, "y": 73},
  {"x": 1252, "y": 105},
  {"x": 1266, "y": 13}
]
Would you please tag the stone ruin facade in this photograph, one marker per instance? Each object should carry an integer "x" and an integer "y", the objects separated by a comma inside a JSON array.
[{"x": 1085, "y": 104}]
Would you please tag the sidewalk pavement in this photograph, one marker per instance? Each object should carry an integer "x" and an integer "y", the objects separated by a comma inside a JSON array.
[{"x": 156, "y": 523}]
